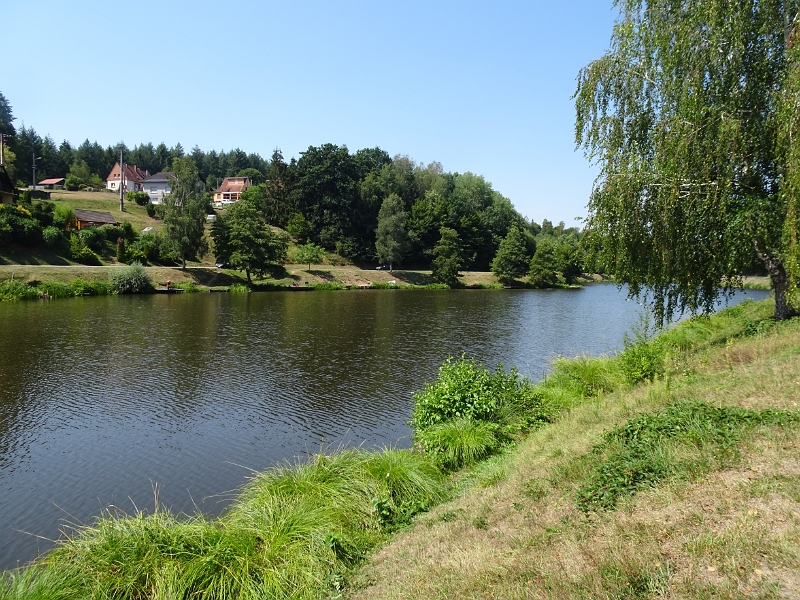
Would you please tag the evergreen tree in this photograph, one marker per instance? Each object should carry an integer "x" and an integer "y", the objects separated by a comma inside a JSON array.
[{"x": 447, "y": 258}]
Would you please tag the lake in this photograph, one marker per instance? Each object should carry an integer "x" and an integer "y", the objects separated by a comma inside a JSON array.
[{"x": 105, "y": 400}]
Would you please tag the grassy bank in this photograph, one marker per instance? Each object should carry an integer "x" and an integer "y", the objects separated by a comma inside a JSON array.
[
  {"x": 668, "y": 470},
  {"x": 41, "y": 278},
  {"x": 686, "y": 486}
]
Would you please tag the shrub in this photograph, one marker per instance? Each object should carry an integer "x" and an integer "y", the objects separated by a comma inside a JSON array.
[
  {"x": 465, "y": 388},
  {"x": 131, "y": 280},
  {"x": 140, "y": 198},
  {"x": 63, "y": 217},
  {"x": 52, "y": 236},
  {"x": 27, "y": 231},
  {"x": 80, "y": 253},
  {"x": 146, "y": 248},
  {"x": 122, "y": 251},
  {"x": 14, "y": 289},
  {"x": 93, "y": 237},
  {"x": 151, "y": 209},
  {"x": 239, "y": 288}
]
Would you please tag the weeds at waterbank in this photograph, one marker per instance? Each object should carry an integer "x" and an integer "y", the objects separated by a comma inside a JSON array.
[{"x": 299, "y": 530}]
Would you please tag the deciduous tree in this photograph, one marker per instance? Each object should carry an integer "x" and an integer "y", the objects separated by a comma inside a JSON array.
[
  {"x": 511, "y": 260},
  {"x": 392, "y": 241},
  {"x": 185, "y": 210},
  {"x": 682, "y": 116}
]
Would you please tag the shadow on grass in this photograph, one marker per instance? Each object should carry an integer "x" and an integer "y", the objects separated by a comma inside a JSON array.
[
  {"x": 211, "y": 278},
  {"x": 413, "y": 277},
  {"x": 324, "y": 275},
  {"x": 20, "y": 255}
]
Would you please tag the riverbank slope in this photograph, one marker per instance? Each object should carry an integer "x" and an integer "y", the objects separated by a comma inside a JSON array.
[{"x": 723, "y": 523}]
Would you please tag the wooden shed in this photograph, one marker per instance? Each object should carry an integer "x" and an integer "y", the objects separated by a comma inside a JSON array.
[{"x": 90, "y": 218}]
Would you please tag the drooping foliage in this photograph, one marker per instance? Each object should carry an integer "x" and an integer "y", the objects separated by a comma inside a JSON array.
[{"x": 681, "y": 115}]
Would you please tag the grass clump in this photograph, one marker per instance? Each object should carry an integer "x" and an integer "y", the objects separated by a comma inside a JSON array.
[
  {"x": 81, "y": 287},
  {"x": 239, "y": 288},
  {"x": 458, "y": 442},
  {"x": 293, "y": 532},
  {"x": 684, "y": 440}
]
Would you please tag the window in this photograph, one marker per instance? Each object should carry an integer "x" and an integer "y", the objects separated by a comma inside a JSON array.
[
  {"x": 113, "y": 184},
  {"x": 153, "y": 190}
]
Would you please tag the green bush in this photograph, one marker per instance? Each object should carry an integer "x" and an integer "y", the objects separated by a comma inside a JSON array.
[
  {"x": 131, "y": 280},
  {"x": 80, "y": 253},
  {"x": 63, "y": 217},
  {"x": 93, "y": 237},
  {"x": 151, "y": 209},
  {"x": 239, "y": 288},
  {"x": 465, "y": 388},
  {"x": 52, "y": 237},
  {"x": 643, "y": 356},
  {"x": 140, "y": 198}
]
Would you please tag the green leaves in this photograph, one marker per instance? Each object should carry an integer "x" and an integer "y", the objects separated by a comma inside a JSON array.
[{"x": 679, "y": 115}]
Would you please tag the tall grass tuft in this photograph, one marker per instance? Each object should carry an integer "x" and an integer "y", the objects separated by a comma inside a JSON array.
[
  {"x": 407, "y": 483},
  {"x": 239, "y": 288},
  {"x": 459, "y": 442}
]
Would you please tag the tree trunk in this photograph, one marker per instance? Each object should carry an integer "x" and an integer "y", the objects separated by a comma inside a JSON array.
[
  {"x": 250, "y": 281},
  {"x": 183, "y": 258},
  {"x": 780, "y": 282}
]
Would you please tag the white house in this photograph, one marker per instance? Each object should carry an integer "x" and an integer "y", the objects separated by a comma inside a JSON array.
[
  {"x": 132, "y": 180},
  {"x": 157, "y": 186}
]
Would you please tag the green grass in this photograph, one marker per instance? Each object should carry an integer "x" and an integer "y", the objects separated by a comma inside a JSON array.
[{"x": 686, "y": 440}]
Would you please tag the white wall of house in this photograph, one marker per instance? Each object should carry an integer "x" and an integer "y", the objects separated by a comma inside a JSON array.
[{"x": 157, "y": 191}]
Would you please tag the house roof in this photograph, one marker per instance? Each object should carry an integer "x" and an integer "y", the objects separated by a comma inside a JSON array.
[
  {"x": 94, "y": 216},
  {"x": 162, "y": 176},
  {"x": 132, "y": 173},
  {"x": 234, "y": 184},
  {"x": 51, "y": 181}
]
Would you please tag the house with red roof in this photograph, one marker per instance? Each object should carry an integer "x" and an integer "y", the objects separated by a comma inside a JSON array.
[{"x": 130, "y": 178}]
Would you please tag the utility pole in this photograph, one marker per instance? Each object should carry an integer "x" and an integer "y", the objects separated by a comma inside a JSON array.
[
  {"x": 35, "y": 158},
  {"x": 121, "y": 183}
]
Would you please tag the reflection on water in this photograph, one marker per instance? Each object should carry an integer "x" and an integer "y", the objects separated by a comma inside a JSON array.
[{"x": 102, "y": 399}]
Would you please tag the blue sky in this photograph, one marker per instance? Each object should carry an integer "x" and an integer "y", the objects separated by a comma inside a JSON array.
[{"x": 478, "y": 86}]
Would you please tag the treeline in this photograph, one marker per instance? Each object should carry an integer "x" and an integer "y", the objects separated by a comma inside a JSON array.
[{"x": 364, "y": 205}]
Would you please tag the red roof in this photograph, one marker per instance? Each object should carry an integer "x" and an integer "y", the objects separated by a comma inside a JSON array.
[
  {"x": 133, "y": 174},
  {"x": 51, "y": 181}
]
